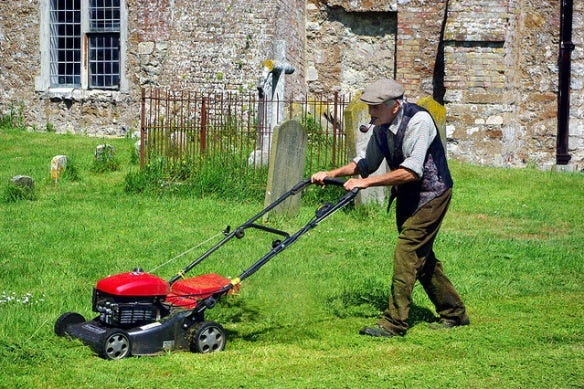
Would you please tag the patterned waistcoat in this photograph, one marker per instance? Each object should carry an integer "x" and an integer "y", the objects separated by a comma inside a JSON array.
[{"x": 436, "y": 178}]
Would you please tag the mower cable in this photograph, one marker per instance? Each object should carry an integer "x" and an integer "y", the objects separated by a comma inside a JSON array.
[{"x": 185, "y": 252}]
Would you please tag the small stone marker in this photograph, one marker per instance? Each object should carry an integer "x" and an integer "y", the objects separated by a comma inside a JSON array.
[
  {"x": 178, "y": 141},
  {"x": 106, "y": 149},
  {"x": 286, "y": 166},
  {"x": 58, "y": 165},
  {"x": 23, "y": 182}
]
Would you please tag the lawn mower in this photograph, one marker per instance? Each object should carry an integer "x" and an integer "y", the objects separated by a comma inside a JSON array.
[{"x": 140, "y": 313}]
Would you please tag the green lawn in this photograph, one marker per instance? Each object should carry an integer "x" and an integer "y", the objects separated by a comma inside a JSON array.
[{"x": 512, "y": 243}]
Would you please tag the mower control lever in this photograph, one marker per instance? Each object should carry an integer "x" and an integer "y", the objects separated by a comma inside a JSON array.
[{"x": 320, "y": 212}]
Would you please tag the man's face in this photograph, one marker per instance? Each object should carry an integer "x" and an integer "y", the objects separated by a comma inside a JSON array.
[{"x": 384, "y": 113}]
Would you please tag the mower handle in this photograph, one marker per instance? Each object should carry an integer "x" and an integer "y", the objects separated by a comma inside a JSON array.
[
  {"x": 307, "y": 181},
  {"x": 334, "y": 181},
  {"x": 238, "y": 232},
  {"x": 339, "y": 182}
]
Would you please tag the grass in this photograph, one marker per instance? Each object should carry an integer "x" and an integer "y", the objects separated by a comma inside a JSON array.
[{"x": 512, "y": 244}]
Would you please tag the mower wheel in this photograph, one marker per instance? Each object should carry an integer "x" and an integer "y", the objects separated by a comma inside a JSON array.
[
  {"x": 65, "y": 320},
  {"x": 207, "y": 337},
  {"x": 115, "y": 344}
]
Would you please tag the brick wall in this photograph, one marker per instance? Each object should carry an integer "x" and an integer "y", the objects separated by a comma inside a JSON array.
[{"x": 418, "y": 39}]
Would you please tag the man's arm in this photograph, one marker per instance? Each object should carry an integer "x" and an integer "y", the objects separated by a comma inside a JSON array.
[
  {"x": 395, "y": 177},
  {"x": 347, "y": 170}
]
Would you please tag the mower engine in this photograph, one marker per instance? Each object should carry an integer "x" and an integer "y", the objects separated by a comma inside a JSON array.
[{"x": 129, "y": 299}]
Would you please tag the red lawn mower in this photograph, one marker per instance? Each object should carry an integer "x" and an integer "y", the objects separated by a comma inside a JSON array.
[{"x": 142, "y": 314}]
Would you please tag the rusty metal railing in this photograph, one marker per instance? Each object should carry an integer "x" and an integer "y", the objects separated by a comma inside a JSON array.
[{"x": 185, "y": 131}]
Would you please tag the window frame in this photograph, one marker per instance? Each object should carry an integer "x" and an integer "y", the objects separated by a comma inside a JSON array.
[{"x": 44, "y": 82}]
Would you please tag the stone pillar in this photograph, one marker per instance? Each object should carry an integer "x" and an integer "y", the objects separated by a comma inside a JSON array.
[{"x": 270, "y": 85}]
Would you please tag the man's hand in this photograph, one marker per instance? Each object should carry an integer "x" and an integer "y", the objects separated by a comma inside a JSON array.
[
  {"x": 355, "y": 183},
  {"x": 318, "y": 178}
]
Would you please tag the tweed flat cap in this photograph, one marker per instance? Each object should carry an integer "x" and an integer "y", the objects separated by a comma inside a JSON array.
[{"x": 381, "y": 91}]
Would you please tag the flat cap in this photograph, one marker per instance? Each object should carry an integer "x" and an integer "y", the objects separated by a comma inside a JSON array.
[{"x": 381, "y": 91}]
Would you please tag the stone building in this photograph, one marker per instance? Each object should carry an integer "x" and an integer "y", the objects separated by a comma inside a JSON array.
[{"x": 80, "y": 65}]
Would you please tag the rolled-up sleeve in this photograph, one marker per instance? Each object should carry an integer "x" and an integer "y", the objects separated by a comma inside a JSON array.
[{"x": 420, "y": 133}]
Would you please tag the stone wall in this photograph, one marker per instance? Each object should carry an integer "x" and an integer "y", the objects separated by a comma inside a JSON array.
[
  {"x": 501, "y": 81},
  {"x": 193, "y": 46},
  {"x": 348, "y": 44},
  {"x": 206, "y": 45},
  {"x": 493, "y": 63},
  {"x": 479, "y": 69}
]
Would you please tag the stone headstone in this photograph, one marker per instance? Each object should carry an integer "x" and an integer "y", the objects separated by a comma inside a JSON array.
[
  {"x": 178, "y": 142},
  {"x": 58, "y": 166},
  {"x": 357, "y": 114},
  {"x": 438, "y": 112},
  {"x": 104, "y": 149},
  {"x": 23, "y": 181},
  {"x": 286, "y": 166}
]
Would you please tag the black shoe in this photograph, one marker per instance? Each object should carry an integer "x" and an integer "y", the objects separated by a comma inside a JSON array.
[
  {"x": 377, "y": 331},
  {"x": 450, "y": 323}
]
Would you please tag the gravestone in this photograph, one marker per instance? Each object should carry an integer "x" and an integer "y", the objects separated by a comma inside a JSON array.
[
  {"x": 286, "y": 166},
  {"x": 104, "y": 151},
  {"x": 357, "y": 114},
  {"x": 178, "y": 142},
  {"x": 25, "y": 182},
  {"x": 58, "y": 165},
  {"x": 137, "y": 148},
  {"x": 438, "y": 112}
]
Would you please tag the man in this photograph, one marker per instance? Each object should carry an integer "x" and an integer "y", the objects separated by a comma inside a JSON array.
[{"x": 406, "y": 136}]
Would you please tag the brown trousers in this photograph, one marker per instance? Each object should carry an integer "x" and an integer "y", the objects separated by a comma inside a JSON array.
[{"x": 414, "y": 259}]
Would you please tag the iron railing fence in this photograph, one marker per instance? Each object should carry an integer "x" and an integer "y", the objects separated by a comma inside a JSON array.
[{"x": 187, "y": 130}]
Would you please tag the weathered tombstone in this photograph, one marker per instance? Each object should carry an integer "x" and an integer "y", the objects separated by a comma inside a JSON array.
[
  {"x": 438, "y": 112},
  {"x": 58, "y": 165},
  {"x": 286, "y": 167},
  {"x": 20, "y": 188},
  {"x": 178, "y": 142},
  {"x": 104, "y": 151},
  {"x": 137, "y": 147},
  {"x": 357, "y": 114},
  {"x": 25, "y": 182}
]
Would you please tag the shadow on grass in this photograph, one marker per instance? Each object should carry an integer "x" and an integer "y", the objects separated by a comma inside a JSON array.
[
  {"x": 373, "y": 303},
  {"x": 257, "y": 329}
]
